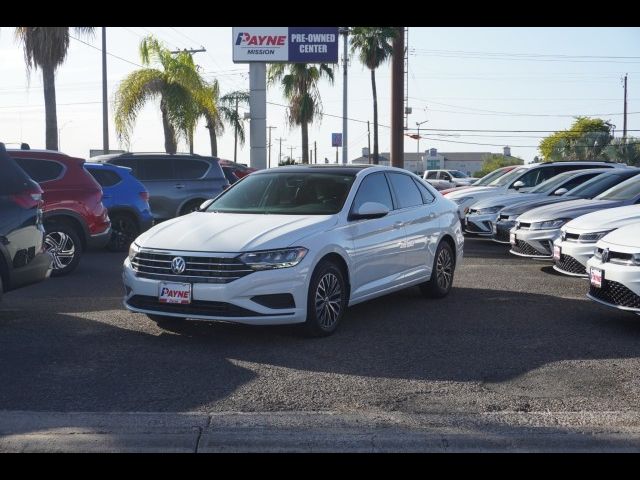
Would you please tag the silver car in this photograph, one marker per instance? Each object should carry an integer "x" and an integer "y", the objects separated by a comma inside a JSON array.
[
  {"x": 177, "y": 184},
  {"x": 536, "y": 230}
]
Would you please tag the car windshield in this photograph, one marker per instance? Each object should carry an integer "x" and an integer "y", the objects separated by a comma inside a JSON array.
[
  {"x": 626, "y": 190},
  {"x": 490, "y": 177},
  {"x": 553, "y": 183},
  {"x": 307, "y": 193},
  {"x": 505, "y": 179},
  {"x": 457, "y": 174}
]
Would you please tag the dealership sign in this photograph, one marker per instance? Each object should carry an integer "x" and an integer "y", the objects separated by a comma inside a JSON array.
[{"x": 285, "y": 44}]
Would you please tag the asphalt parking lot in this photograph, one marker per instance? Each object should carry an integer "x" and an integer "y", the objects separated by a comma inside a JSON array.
[{"x": 513, "y": 336}]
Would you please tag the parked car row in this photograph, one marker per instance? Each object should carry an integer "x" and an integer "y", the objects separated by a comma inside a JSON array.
[{"x": 585, "y": 219}]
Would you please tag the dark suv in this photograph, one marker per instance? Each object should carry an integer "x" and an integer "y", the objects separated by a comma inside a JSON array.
[
  {"x": 74, "y": 217},
  {"x": 177, "y": 184},
  {"x": 23, "y": 259}
]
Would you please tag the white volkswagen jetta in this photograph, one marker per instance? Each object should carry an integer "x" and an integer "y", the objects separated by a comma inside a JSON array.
[{"x": 297, "y": 245}]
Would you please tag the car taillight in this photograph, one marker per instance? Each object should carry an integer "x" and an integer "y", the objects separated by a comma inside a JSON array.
[
  {"x": 27, "y": 199},
  {"x": 144, "y": 196}
]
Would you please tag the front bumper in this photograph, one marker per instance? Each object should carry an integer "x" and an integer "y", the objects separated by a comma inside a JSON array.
[
  {"x": 620, "y": 286},
  {"x": 534, "y": 243},
  {"x": 573, "y": 257},
  {"x": 228, "y": 302},
  {"x": 501, "y": 231},
  {"x": 480, "y": 224}
]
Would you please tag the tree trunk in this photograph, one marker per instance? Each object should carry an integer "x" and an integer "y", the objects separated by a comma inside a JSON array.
[
  {"x": 51, "y": 117},
  {"x": 191, "y": 141},
  {"x": 170, "y": 145},
  {"x": 305, "y": 142},
  {"x": 213, "y": 139},
  {"x": 375, "y": 117}
]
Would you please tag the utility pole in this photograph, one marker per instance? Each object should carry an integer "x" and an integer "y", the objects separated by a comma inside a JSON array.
[
  {"x": 235, "y": 135},
  {"x": 105, "y": 106},
  {"x": 345, "y": 63},
  {"x": 190, "y": 50},
  {"x": 270, "y": 128},
  {"x": 397, "y": 99},
  {"x": 291, "y": 153},
  {"x": 280, "y": 151},
  {"x": 315, "y": 148},
  {"x": 368, "y": 143},
  {"x": 624, "y": 125}
]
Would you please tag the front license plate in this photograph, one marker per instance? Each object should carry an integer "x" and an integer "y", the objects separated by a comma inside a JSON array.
[
  {"x": 174, "y": 293},
  {"x": 512, "y": 238},
  {"x": 557, "y": 252},
  {"x": 595, "y": 274}
]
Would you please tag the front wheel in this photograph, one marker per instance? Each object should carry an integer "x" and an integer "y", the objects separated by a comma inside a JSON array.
[
  {"x": 124, "y": 230},
  {"x": 444, "y": 265},
  {"x": 192, "y": 206},
  {"x": 326, "y": 301},
  {"x": 64, "y": 245}
]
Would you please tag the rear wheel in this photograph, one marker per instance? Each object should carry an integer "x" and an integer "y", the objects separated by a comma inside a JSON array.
[
  {"x": 191, "y": 206},
  {"x": 124, "y": 230},
  {"x": 326, "y": 301},
  {"x": 444, "y": 265},
  {"x": 64, "y": 245}
]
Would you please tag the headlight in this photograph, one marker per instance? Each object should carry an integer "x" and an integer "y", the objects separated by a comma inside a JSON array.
[
  {"x": 270, "y": 259},
  {"x": 461, "y": 199},
  {"x": 550, "y": 224},
  {"x": 485, "y": 211},
  {"x": 133, "y": 250},
  {"x": 592, "y": 237}
]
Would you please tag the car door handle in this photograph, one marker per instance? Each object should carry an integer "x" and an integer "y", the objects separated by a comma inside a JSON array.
[{"x": 179, "y": 185}]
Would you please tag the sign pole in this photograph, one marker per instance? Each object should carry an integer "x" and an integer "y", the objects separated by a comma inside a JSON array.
[{"x": 258, "y": 120}]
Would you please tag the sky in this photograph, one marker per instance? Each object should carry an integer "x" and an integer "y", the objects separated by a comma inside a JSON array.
[{"x": 477, "y": 78}]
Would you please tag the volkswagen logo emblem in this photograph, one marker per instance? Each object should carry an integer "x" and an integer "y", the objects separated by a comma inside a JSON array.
[
  {"x": 178, "y": 265},
  {"x": 605, "y": 255}
]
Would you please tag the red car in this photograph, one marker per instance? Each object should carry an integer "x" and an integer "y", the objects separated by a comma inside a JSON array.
[
  {"x": 239, "y": 170},
  {"x": 74, "y": 217}
]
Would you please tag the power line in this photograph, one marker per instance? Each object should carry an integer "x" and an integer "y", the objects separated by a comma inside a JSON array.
[{"x": 110, "y": 54}]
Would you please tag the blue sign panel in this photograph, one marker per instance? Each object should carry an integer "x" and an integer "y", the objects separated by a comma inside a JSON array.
[
  {"x": 336, "y": 139},
  {"x": 313, "y": 44}
]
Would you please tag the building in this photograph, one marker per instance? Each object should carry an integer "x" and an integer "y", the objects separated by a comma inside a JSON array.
[{"x": 467, "y": 162}]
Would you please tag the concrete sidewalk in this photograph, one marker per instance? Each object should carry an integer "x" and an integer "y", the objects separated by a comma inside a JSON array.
[{"x": 319, "y": 432}]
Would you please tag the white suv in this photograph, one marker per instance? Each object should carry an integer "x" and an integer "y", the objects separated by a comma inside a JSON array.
[
  {"x": 297, "y": 245},
  {"x": 443, "y": 179}
]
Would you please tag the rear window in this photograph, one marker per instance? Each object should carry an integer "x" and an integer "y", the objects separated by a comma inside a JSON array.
[
  {"x": 41, "y": 170},
  {"x": 13, "y": 179},
  {"x": 106, "y": 178},
  {"x": 188, "y": 169},
  {"x": 156, "y": 169}
]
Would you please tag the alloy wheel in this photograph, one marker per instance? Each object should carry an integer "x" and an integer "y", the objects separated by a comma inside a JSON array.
[
  {"x": 328, "y": 300},
  {"x": 61, "y": 247},
  {"x": 444, "y": 269}
]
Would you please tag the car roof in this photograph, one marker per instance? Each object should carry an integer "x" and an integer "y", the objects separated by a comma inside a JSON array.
[
  {"x": 351, "y": 169},
  {"x": 107, "y": 166}
]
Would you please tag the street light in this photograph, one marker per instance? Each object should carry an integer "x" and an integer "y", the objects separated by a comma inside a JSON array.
[
  {"x": 418, "y": 124},
  {"x": 60, "y": 130}
]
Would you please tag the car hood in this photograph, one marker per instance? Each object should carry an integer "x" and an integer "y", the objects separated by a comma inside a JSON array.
[
  {"x": 571, "y": 209},
  {"x": 470, "y": 191},
  {"x": 628, "y": 236},
  {"x": 232, "y": 232},
  {"x": 605, "y": 220},
  {"x": 505, "y": 200},
  {"x": 523, "y": 206}
]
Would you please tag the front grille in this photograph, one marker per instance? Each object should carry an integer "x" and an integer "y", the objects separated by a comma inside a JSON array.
[
  {"x": 502, "y": 234},
  {"x": 616, "y": 257},
  {"x": 525, "y": 248},
  {"x": 196, "y": 307},
  {"x": 569, "y": 264},
  {"x": 616, "y": 294},
  {"x": 157, "y": 266}
]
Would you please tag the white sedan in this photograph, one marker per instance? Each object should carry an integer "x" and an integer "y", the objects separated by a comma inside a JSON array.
[
  {"x": 297, "y": 245},
  {"x": 614, "y": 270}
]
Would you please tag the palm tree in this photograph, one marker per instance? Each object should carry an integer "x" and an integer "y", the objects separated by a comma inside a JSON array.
[
  {"x": 373, "y": 46},
  {"x": 177, "y": 83},
  {"x": 300, "y": 87},
  {"x": 226, "y": 112},
  {"x": 46, "y": 48},
  {"x": 624, "y": 151}
]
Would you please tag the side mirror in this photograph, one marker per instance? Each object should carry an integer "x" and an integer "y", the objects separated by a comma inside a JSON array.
[
  {"x": 369, "y": 210},
  {"x": 518, "y": 185},
  {"x": 560, "y": 191},
  {"x": 204, "y": 205}
]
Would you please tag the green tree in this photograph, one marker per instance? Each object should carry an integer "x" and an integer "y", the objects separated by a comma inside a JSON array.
[
  {"x": 496, "y": 160},
  {"x": 584, "y": 140},
  {"x": 624, "y": 152},
  {"x": 226, "y": 113},
  {"x": 178, "y": 85},
  {"x": 373, "y": 47},
  {"x": 46, "y": 48},
  {"x": 299, "y": 82}
]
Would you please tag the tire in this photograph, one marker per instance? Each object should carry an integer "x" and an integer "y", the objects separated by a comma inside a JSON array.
[
  {"x": 64, "y": 245},
  {"x": 444, "y": 265},
  {"x": 326, "y": 300},
  {"x": 191, "y": 206},
  {"x": 124, "y": 230}
]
